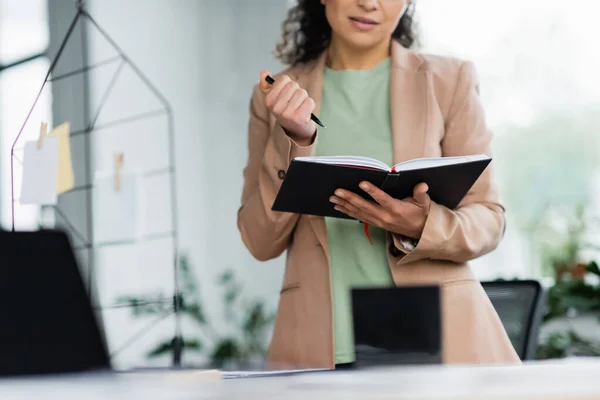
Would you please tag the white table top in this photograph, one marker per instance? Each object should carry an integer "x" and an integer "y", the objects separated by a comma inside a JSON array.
[{"x": 573, "y": 379}]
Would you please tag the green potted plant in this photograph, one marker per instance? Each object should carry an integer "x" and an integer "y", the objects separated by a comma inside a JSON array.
[
  {"x": 575, "y": 293},
  {"x": 249, "y": 320}
]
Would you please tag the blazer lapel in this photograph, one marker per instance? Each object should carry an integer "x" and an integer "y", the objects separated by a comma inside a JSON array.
[
  {"x": 408, "y": 104},
  {"x": 312, "y": 81}
]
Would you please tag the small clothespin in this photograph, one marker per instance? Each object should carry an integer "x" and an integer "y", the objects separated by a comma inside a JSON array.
[
  {"x": 118, "y": 159},
  {"x": 43, "y": 133}
]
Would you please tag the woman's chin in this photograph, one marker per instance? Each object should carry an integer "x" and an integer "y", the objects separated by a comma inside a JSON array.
[{"x": 364, "y": 41}]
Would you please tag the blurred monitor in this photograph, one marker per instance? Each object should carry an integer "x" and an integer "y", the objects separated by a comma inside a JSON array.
[
  {"x": 48, "y": 323},
  {"x": 398, "y": 325}
]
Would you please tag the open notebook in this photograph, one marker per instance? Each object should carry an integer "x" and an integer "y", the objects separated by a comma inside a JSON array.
[{"x": 311, "y": 181}]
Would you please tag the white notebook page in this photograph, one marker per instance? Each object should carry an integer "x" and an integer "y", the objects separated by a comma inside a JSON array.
[
  {"x": 421, "y": 163},
  {"x": 348, "y": 160},
  {"x": 417, "y": 163}
]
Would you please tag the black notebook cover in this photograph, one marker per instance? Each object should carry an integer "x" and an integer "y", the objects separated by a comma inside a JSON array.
[{"x": 308, "y": 185}]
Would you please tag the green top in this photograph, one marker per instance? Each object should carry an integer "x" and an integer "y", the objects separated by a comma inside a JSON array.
[{"x": 355, "y": 106}]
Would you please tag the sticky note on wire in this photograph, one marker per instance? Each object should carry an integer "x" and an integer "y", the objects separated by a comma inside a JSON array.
[
  {"x": 65, "y": 176},
  {"x": 117, "y": 212},
  {"x": 40, "y": 170}
]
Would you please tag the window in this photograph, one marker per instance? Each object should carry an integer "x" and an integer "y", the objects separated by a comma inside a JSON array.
[
  {"x": 537, "y": 65},
  {"x": 23, "y": 40}
]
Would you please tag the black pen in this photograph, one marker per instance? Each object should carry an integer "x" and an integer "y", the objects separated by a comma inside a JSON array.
[{"x": 312, "y": 116}]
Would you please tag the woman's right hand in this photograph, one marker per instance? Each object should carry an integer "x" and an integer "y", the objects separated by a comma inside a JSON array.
[{"x": 291, "y": 106}]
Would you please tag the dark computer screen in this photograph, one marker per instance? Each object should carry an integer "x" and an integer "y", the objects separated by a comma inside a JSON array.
[
  {"x": 47, "y": 322},
  {"x": 399, "y": 325}
]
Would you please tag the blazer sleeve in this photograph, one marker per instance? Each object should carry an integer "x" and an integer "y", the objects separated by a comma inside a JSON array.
[
  {"x": 266, "y": 233},
  {"x": 476, "y": 226}
]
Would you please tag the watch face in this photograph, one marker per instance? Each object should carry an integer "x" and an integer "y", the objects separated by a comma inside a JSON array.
[{"x": 409, "y": 243}]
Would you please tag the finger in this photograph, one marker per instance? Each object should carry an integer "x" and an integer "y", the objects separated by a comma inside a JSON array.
[
  {"x": 381, "y": 197},
  {"x": 265, "y": 86},
  {"x": 276, "y": 89},
  {"x": 284, "y": 97},
  {"x": 360, "y": 216},
  {"x": 420, "y": 193},
  {"x": 306, "y": 108},
  {"x": 341, "y": 202},
  {"x": 297, "y": 99},
  {"x": 343, "y": 209},
  {"x": 348, "y": 212},
  {"x": 365, "y": 206}
]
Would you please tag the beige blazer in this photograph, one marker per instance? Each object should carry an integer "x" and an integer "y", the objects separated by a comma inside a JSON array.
[{"x": 436, "y": 111}]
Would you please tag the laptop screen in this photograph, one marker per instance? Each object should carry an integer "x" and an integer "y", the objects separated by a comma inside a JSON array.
[
  {"x": 48, "y": 323},
  {"x": 398, "y": 325}
]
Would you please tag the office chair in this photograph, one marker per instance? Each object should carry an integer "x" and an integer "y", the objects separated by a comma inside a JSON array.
[{"x": 520, "y": 305}]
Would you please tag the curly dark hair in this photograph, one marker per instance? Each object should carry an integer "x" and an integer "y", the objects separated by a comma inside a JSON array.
[{"x": 306, "y": 32}]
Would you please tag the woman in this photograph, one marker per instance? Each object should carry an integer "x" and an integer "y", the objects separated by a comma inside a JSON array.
[{"x": 350, "y": 64}]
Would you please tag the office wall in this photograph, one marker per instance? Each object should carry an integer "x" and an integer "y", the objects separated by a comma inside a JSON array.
[{"x": 204, "y": 56}]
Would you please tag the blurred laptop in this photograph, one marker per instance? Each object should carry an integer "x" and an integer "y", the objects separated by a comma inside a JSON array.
[
  {"x": 48, "y": 322},
  {"x": 398, "y": 325}
]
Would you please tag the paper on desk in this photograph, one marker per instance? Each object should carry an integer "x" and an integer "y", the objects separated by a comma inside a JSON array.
[
  {"x": 65, "y": 166},
  {"x": 193, "y": 376},
  {"x": 116, "y": 211},
  {"x": 178, "y": 376},
  {"x": 262, "y": 374},
  {"x": 40, "y": 167}
]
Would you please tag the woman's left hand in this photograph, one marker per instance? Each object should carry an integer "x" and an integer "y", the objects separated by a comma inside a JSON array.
[{"x": 404, "y": 217}]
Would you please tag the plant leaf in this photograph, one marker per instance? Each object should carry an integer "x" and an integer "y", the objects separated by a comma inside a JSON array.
[
  {"x": 167, "y": 347},
  {"x": 226, "y": 349},
  {"x": 226, "y": 277},
  {"x": 161, "y": 349},
  {"x": 188, "y": 281},
  {"x": 195, "y": 312},
  {"x": 592, "y": 268},
  {"x": 231, "y": 295},
  {"x": 194, "y": 344},
  {"x": 555, "y": 346},
  {"x": 145, "y": 305}
]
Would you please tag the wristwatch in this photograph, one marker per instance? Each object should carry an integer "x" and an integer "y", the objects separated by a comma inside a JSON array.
[{"x": 409, "y": 243}]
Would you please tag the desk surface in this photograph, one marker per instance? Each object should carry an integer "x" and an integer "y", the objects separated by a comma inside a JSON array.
[{"x": 574, "y": 379}]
